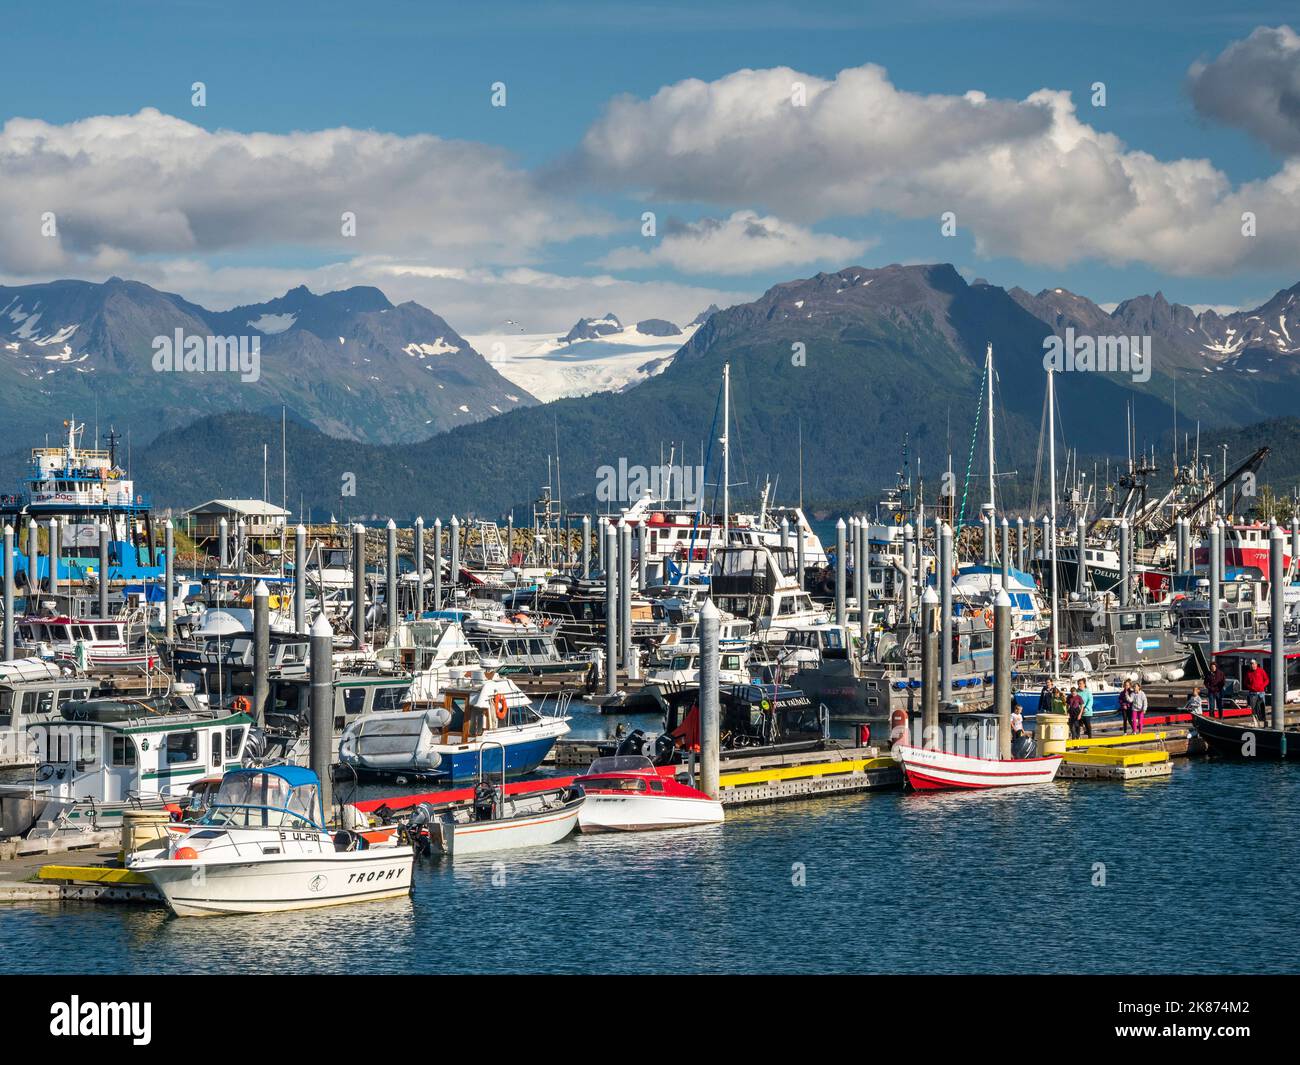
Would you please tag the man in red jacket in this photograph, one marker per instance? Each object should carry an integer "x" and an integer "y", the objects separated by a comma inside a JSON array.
[{"x": 1256, "y": 684}]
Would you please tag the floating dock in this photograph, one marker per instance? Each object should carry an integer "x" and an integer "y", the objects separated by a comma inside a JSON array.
[{"x": 1143, "y": 756}]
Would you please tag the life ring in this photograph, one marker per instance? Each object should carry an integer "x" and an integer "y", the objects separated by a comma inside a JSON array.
[
  {"x": 502, "y": 707},
  {"x": 242, "y": 705}
]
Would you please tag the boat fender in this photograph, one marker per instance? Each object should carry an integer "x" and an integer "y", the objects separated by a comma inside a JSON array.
[{"x": 502, "y": 707}]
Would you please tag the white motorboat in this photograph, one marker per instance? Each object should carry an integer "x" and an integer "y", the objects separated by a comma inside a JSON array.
[
  {"x": 263, "y": 846},
  {"x": 626, "y": 793},
  {"x": 497, "y": 818}
]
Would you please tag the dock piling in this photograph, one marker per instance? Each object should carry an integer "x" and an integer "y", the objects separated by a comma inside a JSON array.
[
  {"x": 1005, "y": 555},
  {"x": 437, "y": 563},
  {"x": 9, "y": 593},
  {"x": 103, "y": 569},
  {"x": 1002, "y": 670},
  {"x": 710, "y": 702},
  {"x": 359, "y": 585},
  {"x": 860, "y": 579},
  {"x": 33, "y": 562},
  {"x": 261, "y": 651},
  {"x": 910, "y": 565},
  {"x": 1021, "y": 547},
  {"x": 418, "y": 544},
  {"x": 455, "y": 558},
  {"x": 322, "y": 705},
  {"x": 586, "y": 547},
  {"x": 625, "y": 596},
  {"x": 223, "y": 543},
  {"x": 55, "y": 551},
  {"x": 1125, "y": 560},
  {"x": 392, "y": 609},
  {"x": 799, "y": 555},
  {"x": 841, "y": 548},
  {"x": 943, "y": 578},
  {"x": 930, "y": 669},
  {"x": 169, "y": 579},
  {"x": 1216, "y": 535},
  {"x": 608, "y": 551},
  {"x": 300, "y": 580},
  {"x": 642, "y": 544}
]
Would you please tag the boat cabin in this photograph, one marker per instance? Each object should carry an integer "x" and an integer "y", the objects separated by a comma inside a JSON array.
[{"x": 282, "y": 796}]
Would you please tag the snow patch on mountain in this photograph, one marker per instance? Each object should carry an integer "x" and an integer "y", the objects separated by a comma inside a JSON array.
[{"x": 552, "y": 368}]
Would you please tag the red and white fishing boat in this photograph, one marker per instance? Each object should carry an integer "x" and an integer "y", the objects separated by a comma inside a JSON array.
[
  {"x": 931, "y": 770},
  {"x": 627, "y": 793}
]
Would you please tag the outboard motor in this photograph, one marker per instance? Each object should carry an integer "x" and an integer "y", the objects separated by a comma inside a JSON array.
[
  {"x": 634, "y": 742},
  {"x": 665, "y": 749},
  {"x": 1023, "y": 747}
]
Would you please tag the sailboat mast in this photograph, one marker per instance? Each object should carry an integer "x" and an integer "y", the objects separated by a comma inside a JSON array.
[
  {"x": 726, "y": 449},
  {"x": 988, "y": 372},
  {"x": 1051, "y": 452}
]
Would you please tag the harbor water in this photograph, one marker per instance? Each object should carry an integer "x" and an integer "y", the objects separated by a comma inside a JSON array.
[{"x": 1195, "y": 873}]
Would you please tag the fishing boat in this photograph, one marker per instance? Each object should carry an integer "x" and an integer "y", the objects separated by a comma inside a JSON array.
[
  {"x": 484, "y": 717},
  {"x": 33, "y": 692},
  {"x": 263, "y": 846},
  {"x": 626, "y": 793},
  {"x": 935, "y": 770},
  {"x": 104, "y": 756},
  {"x": 1230, "y": 739},
  {"x": 492, "y": 817}
]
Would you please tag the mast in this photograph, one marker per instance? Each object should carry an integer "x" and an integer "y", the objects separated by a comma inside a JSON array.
[
  {"x": 726, "y": 449},
  {"x": 1051, "y": 451},
  {"x": 988, "y": 372}
]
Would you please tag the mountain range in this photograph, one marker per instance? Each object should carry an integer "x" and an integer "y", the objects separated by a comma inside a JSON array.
[
  {"x": 351, "y": 362},
  {"x": 842, "y": 370}
]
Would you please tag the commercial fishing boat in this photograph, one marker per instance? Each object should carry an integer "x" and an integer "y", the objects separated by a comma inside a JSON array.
[
  {"x": 263, "y": 846},
  {"x": 82, "y": 488},
  {"x": 104, "y": 756}
]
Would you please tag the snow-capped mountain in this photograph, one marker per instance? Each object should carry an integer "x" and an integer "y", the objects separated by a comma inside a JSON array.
[
  {"x": 351, "y": 362},
  {"x": 596, "y": 355}
]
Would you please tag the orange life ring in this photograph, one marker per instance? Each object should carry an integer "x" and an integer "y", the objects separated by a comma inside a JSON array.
[
  {"x": 502, "y": 707},
  {"x": 242, "y": 705}
]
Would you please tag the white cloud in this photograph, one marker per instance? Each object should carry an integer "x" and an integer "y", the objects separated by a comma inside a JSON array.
[
  {"x": 1255, "y": 85},
  {"x": 1027, "y": 178},
  {"x": 125, "y": 186},
  {"x": 744, "y": 243}
]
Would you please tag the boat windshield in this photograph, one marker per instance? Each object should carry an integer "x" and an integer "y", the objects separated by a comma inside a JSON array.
[
  {"x": 263, "y": 800},
  {"x": 621, "y": 763}
]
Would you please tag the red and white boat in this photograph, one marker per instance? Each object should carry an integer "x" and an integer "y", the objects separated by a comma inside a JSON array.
[
  {"x": 931, "y": 770},
  {"x": 627, "y": 793}
]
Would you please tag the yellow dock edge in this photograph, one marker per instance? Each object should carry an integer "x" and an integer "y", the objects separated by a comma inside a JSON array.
[
  {"x": 1115, "y": 757},
  {"x": 1115, "y": 741},
  {"x": 91, "y": 874},
  {"x": 802, "y": 772}
]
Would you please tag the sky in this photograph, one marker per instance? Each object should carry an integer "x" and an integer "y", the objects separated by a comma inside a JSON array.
[{"x": 517, "y": 165}]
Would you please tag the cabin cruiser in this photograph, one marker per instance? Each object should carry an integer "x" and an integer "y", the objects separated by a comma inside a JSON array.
[
  {"x": 263, "y": 846},
  {"x": 756, "y": 583},
  {"x": 483, "y": 724},
  {"x": 119, "y": 642},
  {"x": 680, "y": 673},
  {"x": 578, "y": 608},
  {"x": 435, "y": 650},
  {"x": 104, "y": 756},
  {"x": 525, "y": 649},
  {"x": 1243, "y": 608},
  {"x": 628, "y": 793}
]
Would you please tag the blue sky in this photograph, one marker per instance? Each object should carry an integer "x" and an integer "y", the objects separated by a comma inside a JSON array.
[{"x": 426, "y": 68}]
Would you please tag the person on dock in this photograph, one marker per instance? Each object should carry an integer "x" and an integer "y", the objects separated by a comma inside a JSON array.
[
  {"x": 1193, "y": 704},
  {"x": 1074, "y": 708},
  {"x": 1139, "y": 708},
  {"x": 1085, "y": 713},
  {"x": 1126, "y": 706},
  {"x": 1045, "y": 698},
  {"x": 1256, "y": 684},
  {"x": 1215, "y": 682},
  {"x": 1017, "y": 722},
  {"x": 1058, "y": 701}
]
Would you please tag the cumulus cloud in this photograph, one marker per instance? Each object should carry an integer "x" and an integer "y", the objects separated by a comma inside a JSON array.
[
  {"x": 1027, "y": 178},
  {"x": 127, "y": 186},
  {"x": 1254, "y": 85},
  {"x": 744, "y": 243}
]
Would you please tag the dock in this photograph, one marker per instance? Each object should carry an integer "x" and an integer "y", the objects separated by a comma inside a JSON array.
[{"x": 92, "y": 875}]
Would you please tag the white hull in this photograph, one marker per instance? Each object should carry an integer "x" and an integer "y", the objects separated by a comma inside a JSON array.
[
  {"x": 929, "y": 770},
  {"x": 482, "y": 837},
  {"x": 643, "y": 813},
  {"x": 202, "y": 889}
]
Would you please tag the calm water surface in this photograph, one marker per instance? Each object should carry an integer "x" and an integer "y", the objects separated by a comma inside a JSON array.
[{"x": 1200, "y": 875}]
